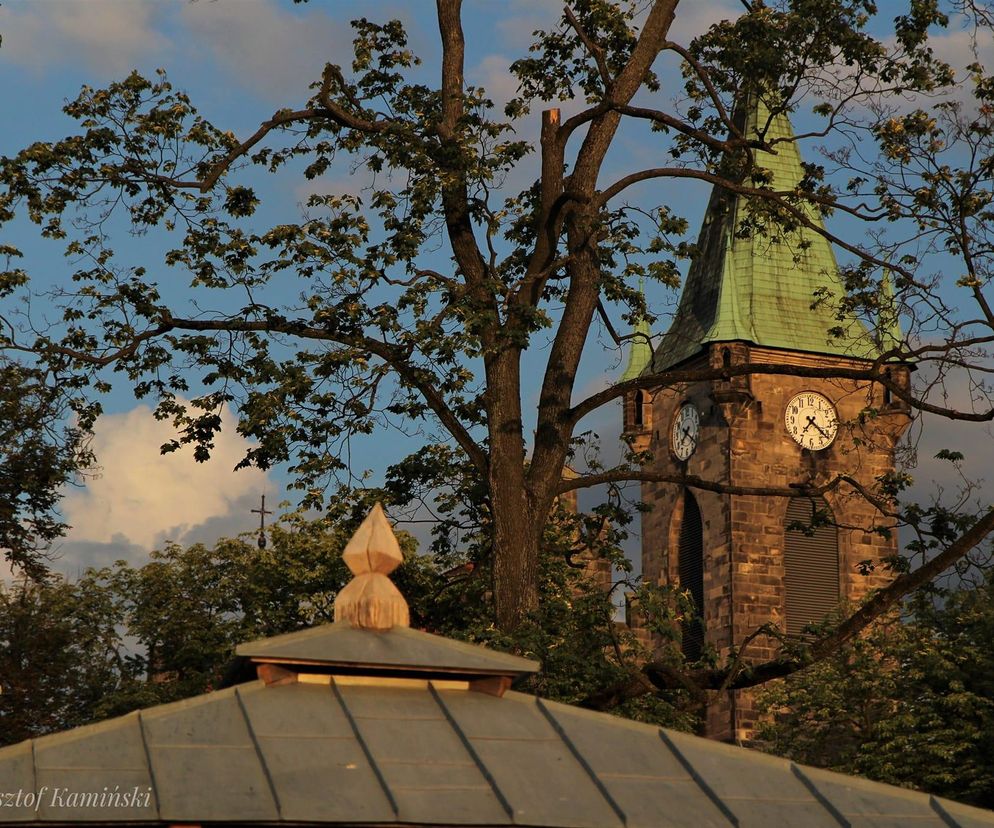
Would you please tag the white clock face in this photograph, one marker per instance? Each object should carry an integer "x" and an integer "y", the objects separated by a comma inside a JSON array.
[
  {"x": 811, "y": 420},
  {"x": 686, "y": 431}
]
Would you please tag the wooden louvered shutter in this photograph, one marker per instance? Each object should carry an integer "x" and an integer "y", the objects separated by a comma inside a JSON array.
[
  {"x": 691, "y": 571},
  {"x": 811, "y": 567}
]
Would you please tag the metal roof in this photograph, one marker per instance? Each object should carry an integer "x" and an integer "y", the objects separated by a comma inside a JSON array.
[
  {"x": 361, "y": 750},
  {"x": 397, "y": 649},
  {"x": 762, "y": 287}
]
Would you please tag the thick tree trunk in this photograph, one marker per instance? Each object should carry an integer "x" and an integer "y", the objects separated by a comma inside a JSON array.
[
  {"x": 516, "y": 535},
  {"x": 516, "y": 550},
  {"x": 521, "y": 498}
]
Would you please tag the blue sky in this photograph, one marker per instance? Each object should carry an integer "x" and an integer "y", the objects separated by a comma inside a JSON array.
[{"x": 240, "y": 60}]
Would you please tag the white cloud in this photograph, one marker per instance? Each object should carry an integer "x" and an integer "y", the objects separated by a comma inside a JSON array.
[
  {"x": 142, "y": 497},
  {"x": 274, "y": 52},
  {"x": 961, "y": 47},
  {"x": 494, "y": 75},
  {"x": 693, "y": 19},
  {"x": 109, "y": 36}
]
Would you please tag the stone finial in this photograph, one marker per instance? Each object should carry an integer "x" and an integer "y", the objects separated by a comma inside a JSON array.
[{"x": 370, "y": 601}]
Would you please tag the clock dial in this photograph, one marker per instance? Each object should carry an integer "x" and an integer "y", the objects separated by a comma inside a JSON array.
[
  {"x": 686, "y": 431},
  {"x": 811, "y": 420}
]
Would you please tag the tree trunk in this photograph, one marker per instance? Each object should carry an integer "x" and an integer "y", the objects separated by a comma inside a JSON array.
[
  {"x": 516, "y": 550},
  {"x": 516, "y": 536}
]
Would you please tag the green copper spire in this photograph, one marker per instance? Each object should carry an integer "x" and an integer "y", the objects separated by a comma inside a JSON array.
[
  {"x": 640, "y": 345},
  {"x": 888, "y": 317},
  {"x": 762, "y": 287},
  {"x": 639, "y": 352}
]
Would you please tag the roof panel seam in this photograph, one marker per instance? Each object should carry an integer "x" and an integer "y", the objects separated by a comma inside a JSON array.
[
  {"x": 837, "y": 815},
  {"x": 366, "y": 751},
  {"x": 709, "y": 792},
  {"x": 944, "y": 815},
  {"x": 508, "y": 809},
  {"x": 582, "y": 761},
  {"x": 258, "y": 753},
  {"x": 148, "y": 762}
]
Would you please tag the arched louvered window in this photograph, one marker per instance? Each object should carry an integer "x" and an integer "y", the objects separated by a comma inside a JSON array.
[
  {"x": 811, "y": 565},
  {"x": 639, "y": 412},
  {"x": 691, "y": 572}
]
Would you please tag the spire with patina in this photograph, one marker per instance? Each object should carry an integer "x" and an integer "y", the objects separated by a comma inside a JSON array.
[
  {"x": 640, "y": 346},
  {"x": 889, "y": 332},
  {"x": 754, "y": 281}
]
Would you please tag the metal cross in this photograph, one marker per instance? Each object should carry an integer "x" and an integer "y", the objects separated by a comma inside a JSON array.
[{"x": 262, "y": 511}]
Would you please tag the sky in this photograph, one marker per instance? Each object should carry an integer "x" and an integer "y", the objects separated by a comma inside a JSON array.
[{"x": 240, "y": 60}]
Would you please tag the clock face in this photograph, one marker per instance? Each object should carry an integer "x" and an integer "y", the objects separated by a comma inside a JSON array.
[
  {"x": 686, "y": 431},
  {"x": 811, "y": 420}
]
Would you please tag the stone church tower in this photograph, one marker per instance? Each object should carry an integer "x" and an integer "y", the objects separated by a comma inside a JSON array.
[{"x": 752, "y": 296}]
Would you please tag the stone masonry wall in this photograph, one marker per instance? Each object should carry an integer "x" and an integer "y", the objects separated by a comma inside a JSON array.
[{"x": 744, "y": 442}]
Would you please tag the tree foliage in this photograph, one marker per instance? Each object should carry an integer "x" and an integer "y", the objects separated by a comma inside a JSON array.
[
  {"x": 40, "y": 454},
  {"x": 910, "y": 704},
  {"x": 59, "y": 655}
]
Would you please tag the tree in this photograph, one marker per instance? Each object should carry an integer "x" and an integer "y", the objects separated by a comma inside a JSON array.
[
  {"x": 385, "y": 332},
  {"x": 128, "y": 637},
  {"x": 911, "y": 704},
  {"x": 40, "y": 454},
  {"x": 188, "y": 608},
  {"x": 60, "y": 655}
]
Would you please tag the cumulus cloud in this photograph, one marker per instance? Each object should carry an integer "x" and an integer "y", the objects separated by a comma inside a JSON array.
[
  {"x": 492, "y": 74},
  {"x": 693, "y": 19},
  {"x": 108, "y": 36},
  {"x": 142, "y": 498},
  {"x": 275, "y": 52}
]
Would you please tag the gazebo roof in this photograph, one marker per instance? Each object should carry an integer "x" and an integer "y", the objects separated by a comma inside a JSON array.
[
  {"x": 374, "y": 727},
  {"x": 373, "y": 751}
]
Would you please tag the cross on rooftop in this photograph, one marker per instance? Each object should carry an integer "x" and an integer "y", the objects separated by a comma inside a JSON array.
[{"x": 262, "y": 511}]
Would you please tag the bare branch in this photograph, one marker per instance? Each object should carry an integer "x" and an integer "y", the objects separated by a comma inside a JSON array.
[
  {"x": 694, "y": 482},
  {"x": 881, "y": 603},
  {"x": 596, "y": 51}
]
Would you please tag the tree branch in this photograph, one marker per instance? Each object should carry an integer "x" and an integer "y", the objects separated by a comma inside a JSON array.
[
  {"x": 776, "y": 196},
  {"x": 873, "y": 372},
  {"x": 695, "y": 482},
  {"x": 596, "y": 51},
  {"x": 393, "y": 355},
  {"x": 883, "y": 601}
]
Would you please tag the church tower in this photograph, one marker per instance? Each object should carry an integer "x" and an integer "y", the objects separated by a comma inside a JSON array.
[{"x": 762, "y": 297}]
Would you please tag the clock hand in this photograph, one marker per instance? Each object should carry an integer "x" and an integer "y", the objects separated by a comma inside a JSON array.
[{"x": 811, "y": 421}]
